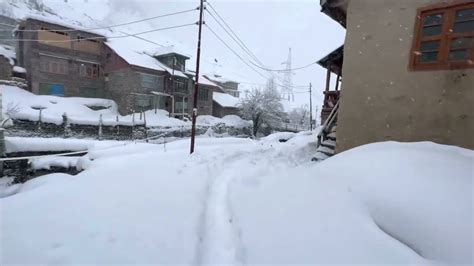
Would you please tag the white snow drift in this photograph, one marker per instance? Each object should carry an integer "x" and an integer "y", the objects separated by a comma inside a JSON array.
[{"x": 239, "y": 201}]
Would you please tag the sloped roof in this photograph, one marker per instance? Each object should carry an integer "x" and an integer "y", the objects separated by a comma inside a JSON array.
[
  {"x": 225, "y": 100},
  {"x": 170, "y": 49},
  {"x": 140, "y": 58}
]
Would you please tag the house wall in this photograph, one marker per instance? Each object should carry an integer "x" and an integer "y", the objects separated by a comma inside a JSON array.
[
  {"x": 124, "y": 84},
  {"x": 30, "y": 54},
  {"x": 381, "y": 99},
  {"x": 6, "y": 31},
  {"x": 5, "y": 68},
  {"x": 219, "y": 111},
  {"x": 204, "y": 103}
]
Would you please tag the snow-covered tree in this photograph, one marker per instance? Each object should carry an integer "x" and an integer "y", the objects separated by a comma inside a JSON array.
[
  {"x": 263, "y": 107},
  {"x": 300, "y": 116}
]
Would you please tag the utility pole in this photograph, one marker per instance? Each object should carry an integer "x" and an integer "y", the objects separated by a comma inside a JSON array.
[
  {"x": 2, "y": 135},
  {"x": 196, "y": 85},
  {"x": 310, "y": 108}
]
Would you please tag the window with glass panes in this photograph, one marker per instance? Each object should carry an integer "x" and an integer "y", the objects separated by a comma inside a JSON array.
[{"x": 444, "y": 37}]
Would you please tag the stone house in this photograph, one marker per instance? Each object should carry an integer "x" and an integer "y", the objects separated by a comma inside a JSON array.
[
  {"x": 407, "y": 69},
  {"x": 61, "y": 60},
  {"x": 6, "y": 68},
  {"x": 228, "y": 86},
  {"x": 7, "y": 61},
  {"x": 224, "y": 104},
  {"x": 134, "y": 80}
]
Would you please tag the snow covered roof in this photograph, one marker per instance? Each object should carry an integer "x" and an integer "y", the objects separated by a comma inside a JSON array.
[
  {"x": 220, "y": 78},
  {"x": 8, "y": 52},
  {"x": 19, "y": 69},
  {"x": 225, "y": 100},
  {"x": 204, "y": 81},
  {"x": 62, "y": 24},
  {"x": 134, "y": 57},
  {"x": 170, "y": 49}
]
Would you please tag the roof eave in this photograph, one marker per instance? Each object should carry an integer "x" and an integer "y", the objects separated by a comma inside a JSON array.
[{"x": 335, "y": 9}]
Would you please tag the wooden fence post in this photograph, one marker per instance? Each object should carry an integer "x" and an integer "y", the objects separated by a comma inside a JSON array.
[{"x": 100, "y": 127}]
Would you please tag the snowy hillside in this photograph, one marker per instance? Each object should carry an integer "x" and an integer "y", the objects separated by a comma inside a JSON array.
[{"x": 252, "y": 203}]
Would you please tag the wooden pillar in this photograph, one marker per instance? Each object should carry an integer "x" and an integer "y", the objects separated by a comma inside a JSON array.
[
  {"x": 328, "y": 84},
  {"x": 328, "y": 78},
  {"x": 337, "y": 82}
]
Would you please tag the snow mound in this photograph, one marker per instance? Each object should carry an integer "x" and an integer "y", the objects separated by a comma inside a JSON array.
[
  {"x": 8, "y": 52},
  {"x": 240, "y": 201},
  {"x": 225, "y": 100},
  {"x": 236, "y": 121},
  {"x": 21, "y": 104}
]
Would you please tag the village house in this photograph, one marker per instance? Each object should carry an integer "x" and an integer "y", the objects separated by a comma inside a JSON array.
[
  {"x": 134, "y": 80},
  {"x": 407, "y": 73},
  {"x": 7, "y": 26},
  {"x": 6, "y": 62},
  {"x": 228, "y": 86},
  {"x": 224, "y": 104},
  {"x": 64, "y": 61},
  {"x": 60, "y": 60}
]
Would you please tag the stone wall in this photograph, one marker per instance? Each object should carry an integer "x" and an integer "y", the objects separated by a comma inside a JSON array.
[
  {"x": 5, "y": 69},
  {"x": 25, "y": 128},
  {"x": 219, "y": 111}
]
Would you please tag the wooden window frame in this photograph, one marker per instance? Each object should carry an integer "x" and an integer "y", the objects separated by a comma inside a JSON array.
[{"x": 447, "y": 35}]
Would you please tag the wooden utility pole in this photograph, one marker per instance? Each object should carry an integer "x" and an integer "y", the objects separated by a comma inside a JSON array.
[
  {"x": 196, "y": 85},
  {"x": 310, "y": 108},
  {"x": 2, "y": 135}
]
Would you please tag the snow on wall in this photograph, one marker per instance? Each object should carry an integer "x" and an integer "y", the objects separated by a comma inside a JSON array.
[
  {"x": 225, "y": 100},
  {"x": 9, "y": 53}
]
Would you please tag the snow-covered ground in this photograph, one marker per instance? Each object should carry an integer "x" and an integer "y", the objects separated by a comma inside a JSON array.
[
  {"x": 240, "y": 201},
  {"x": 21, "y": 104}
]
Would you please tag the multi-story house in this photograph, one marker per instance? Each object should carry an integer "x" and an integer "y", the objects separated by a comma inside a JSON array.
[
  {"x": 228, "y": 86},
  {"x": 407, "y": 69},
  {"x": 7, "y": 26},
  {"x": 61, "y": 60}
]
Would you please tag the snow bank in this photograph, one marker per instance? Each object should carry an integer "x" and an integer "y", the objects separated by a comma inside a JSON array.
[
  {"x": 386, "y": 203},
  {"x": 21, "y": 144},
  {"x": 240, "y": 201},
  {"x": 236, "y": 121},
  {"x": 79, "y": 112},
  {"x": 47, "y": 162},
  {"x": 8, "y": 52},
  {"x": 76, "y": 108},
  {"x": 160, "y": 119},
  {"x": 225, "y": 100}
]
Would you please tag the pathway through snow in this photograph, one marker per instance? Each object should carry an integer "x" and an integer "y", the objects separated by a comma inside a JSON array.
[{"x": 219, "y": 236}]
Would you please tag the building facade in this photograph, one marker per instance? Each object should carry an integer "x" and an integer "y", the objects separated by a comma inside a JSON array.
[
  {"x": 408, "y": 71},
  {"x": 61, "y": 61},
  {"x": 7, "y": 25}
]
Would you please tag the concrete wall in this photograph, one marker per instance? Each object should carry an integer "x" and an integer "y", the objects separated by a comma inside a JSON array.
[
  {"x": 5, "y": 69},
  {"x": 381, "y": 99},
  {"x": 219, "y": 111}
]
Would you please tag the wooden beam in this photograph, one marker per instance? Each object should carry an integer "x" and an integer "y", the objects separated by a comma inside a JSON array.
[{"x": 337, "y": 82}]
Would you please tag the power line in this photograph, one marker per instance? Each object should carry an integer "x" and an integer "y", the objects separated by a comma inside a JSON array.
[
  {"x": 233, "y": 51},
  {"x": 242, "y": 44},
  {"x": 107, "y": 27},
  {"x": 285, "y": 70},
  {"x": 95, "y": 38}
]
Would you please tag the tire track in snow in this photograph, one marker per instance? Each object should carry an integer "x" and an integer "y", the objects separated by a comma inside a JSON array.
[{"x": 219, "y": 238}]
